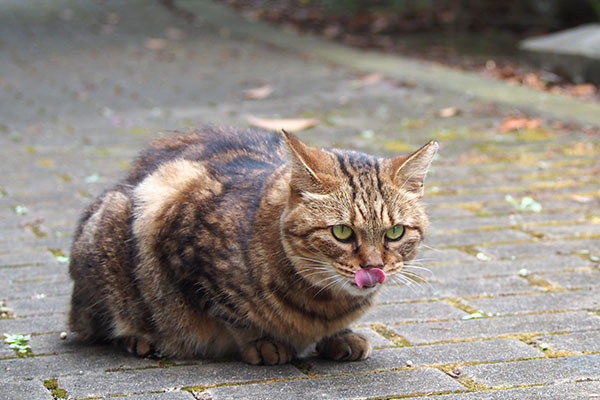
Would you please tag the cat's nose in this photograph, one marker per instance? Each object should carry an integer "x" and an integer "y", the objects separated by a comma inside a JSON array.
[{"x": 373, "y": 260}]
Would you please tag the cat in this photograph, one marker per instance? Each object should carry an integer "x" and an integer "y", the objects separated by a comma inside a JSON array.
[{"x": 236, "y": 242}]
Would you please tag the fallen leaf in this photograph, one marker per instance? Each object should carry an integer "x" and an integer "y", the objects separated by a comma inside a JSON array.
[
  {"x": 585, "y": 89},
  {"x": 581, "y": 198},
  {"x": 290, "y": 125},
  {"x": 175, "y": 34},
  {"x": 370, "y": 79},
  {"x": 155, "y": 43},
  {"x": 258, "y": 93},
  {"x": 515, "y": 123},
  {"x": 448, "y": 112}
]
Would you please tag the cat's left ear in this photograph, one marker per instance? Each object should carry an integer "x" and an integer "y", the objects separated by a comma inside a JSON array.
[
  {"x": 312, "y": 169},
  {"x": 408, "y": 172}
]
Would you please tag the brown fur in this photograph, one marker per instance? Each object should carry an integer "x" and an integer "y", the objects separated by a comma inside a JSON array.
[{"x": 219, "y": 242}]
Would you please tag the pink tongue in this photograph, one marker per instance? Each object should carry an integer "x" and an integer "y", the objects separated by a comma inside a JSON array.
[{"x": 369, "y": 277}]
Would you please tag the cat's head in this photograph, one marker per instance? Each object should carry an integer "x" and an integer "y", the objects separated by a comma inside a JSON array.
[{"x": 353, "y": 220}]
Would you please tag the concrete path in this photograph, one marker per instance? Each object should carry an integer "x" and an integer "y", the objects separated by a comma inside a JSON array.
[{"x": 512, "y": 307}]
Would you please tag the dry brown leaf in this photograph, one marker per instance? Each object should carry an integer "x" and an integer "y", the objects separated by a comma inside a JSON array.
[
  {"x": 175, "y": 34},
  {"x": 448, "y": 112},
  {"x": 585, "y": 89},
  {"x": 581, "y": 198},
  {"x": 258, "y": 93},
  {"x": 515, "y": 123},
  {"x": 155, "y": 43},
  {"x": 370, "y": 79},
  {"x": 289, "y": 125}
]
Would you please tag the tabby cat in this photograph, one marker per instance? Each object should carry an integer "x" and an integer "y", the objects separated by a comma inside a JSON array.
[{"x": 237, "y": 242}]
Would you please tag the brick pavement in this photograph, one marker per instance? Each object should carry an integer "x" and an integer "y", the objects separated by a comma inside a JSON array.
[{"x": 511, "y": 310}]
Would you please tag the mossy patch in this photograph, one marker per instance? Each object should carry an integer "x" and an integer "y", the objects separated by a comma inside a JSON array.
[
  {"x": 390, "y": 335},
  {"x": 52, "y": 386}
]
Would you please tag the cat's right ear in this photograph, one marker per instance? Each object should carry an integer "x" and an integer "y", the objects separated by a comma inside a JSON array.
[{"x": 312, "y": 169}]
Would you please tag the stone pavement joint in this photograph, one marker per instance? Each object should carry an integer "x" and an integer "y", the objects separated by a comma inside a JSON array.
[{"x": 510, "y": 309}]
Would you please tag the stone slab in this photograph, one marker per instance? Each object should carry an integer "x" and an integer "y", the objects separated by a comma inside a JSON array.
[
  {"x": 146, "y": 380},
  {"x": 573, "y": 52},
  {"x": 392, "y": 313},
  {"x": 375, "y": 339},
  {"x": 24, "y": 258},
  {"x": 572, "y": 280},
  {"x": 37, "y": 305},
  {"x": 529, "y": 372},
  {"x": 169, "y": 395},
  {"x": 430, "y": 332},
  {"x": 344, "y": 387},
  {"x": 20, "y": 390},
  {"x": 578, "y": 342},
  {"x": 506, "y": 251},
  {"x": 473, "y": 238},
  {"x": 559, "y": 391},
  {"x": 79, "y": 363},
  {"x": 479, "y": 269},
  {"x": 421, "y": 356},
  {"x": 458, "y": 288},
  {"x": 576, "y": 300},
  {"x": 43, "y": 324},
  {"x": 60, "y": 285}
]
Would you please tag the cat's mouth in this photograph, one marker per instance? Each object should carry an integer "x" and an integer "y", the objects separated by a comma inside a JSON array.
[{"x": 368, "y": 277}]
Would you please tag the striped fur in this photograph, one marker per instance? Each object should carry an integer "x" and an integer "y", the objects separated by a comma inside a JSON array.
[{"x": 219, "y": 243}]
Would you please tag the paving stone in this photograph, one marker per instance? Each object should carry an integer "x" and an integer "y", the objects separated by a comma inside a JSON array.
[
  {"x": 478, "y": 269},
  {"x": 174, "y": 395},
  {"x": 55, "y": 323},
  {"x": 39, "y": 305},
  {"x": 375, "y": 339},
  {"x": 458, "y": 288},
  {"x": 147, "y": 380},
  {"x": 571, "y": 280},
  {"x": 392, "y": 313},
  {"x": 345, "y": 387},
  {"x": 472, "y": 238},
  {"x": 29, "y": 289},
  {"x": 530, "y": 372},
  {"x": 83, "y": 361},
  {"x": 577, "y": 300},
  {"x": 528, "y": 220},
  {"x": 578, "y": 342},
  {"x": 449, "y": 353},
  {"x": 535, "y": 249},
  {"x": 442, "y": 256},
  {"x": 49, "y": 270},
  {"x": 27, "y": 258},
  {"x": 33, "y": 389},
  {"x": 430, "y": 332},
  {"x": 569, "y": 231},
  {"x": 559, "y": 391}
]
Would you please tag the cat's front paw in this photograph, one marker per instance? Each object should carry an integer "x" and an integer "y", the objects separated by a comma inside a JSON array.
[
  {"x": 344, "y": 346},
  {"x": 267, "y": 352}
]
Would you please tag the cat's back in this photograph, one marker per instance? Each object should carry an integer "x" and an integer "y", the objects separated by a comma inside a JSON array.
[{"x": 230, "y": 154}]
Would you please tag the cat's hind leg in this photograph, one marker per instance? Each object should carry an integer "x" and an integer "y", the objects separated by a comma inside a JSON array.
[
  {"x": 135, "y": 345},
  {"x": 256, "y": 349}
]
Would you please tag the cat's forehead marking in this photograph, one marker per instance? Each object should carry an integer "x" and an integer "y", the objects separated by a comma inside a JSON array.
[{"x": 369, "y": 207}]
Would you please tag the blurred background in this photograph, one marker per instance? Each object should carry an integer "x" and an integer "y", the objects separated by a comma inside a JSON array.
[{"x": 474, "y": 35}]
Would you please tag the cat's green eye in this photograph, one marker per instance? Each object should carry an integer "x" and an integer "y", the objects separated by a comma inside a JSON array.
[
  {"x": 342, "y": 232},
  {"x": 394, "y": 233}
]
